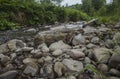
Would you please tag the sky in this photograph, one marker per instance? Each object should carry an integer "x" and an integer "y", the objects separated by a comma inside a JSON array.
[{"x": 72, "y": 2}]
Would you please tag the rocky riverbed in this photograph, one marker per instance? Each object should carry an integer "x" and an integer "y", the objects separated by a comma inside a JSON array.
[{"x": 62, "y": 53}]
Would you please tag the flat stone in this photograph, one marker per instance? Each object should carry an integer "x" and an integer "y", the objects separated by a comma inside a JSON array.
[
  {"x": 57, "y": 52},
  {"x": 9, "y": 75},
  {"x": 102, "y": 54},
  {"x": 73, "y": 65},
  {"x": 59, "y": 45}
]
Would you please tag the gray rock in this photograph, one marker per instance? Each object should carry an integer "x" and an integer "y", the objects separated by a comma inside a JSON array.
[
  {"x": 113, "y": 77},
  {"x": 89, "y": 30},
  {"x": 9, "y": 75},
  {"x": 15, "y": 44},
  {"x": 74, "y": 53},
  {"x": 29, "y": 60},
  {"x": 103, "y": 68},
  {"x": 87, "y": 60},
  {"x": 59, "y": 45},
  {"x": 30, "y": 70},
  {"x": 59, "y": 68},
  {"x": 114, "y": 60},
  {"x": 32, "y": 30},
  {"x": 57, "y": 52},
  {"x": 4, "y": 59},
  {"x": 27, "y": 49},
  {"x": 79, "y": 39},
  {"x": 4, "y": 48},
  {"x": 71, "y": 77},
  {"x": 95, "y": 40},
  {"x": 43, "y": 48},
  {"x": 114, "y": 72},
  {"x": 102, "y": 54},
  {"x": 48, "y": 37},
  {"x": 90, "y": 46},
  {"x": 73, "y": 65},
  {"x": 48, "y": 59}
]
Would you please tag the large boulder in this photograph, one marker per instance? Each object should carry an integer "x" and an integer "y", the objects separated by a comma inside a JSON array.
[
  {"x": 59, "y": 45},
  {"x": 48, "y": 37},
  {"x": 102, "y": 54}
]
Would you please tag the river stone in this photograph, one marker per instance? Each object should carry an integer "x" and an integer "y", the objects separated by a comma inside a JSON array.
[
  {"x": 95, "y": 40},
  {"x": 48, "y": 37},
  {"x": 4, "y": 59},
  {"x": 103, "y": 68},
  {"x": 32, "y": 30},
  {"x": 9, "y": 75},
  {"x": 113, "y": 77},
  {"x": 30, "y": 70},
  {"x": 27, "y": 49},
  {"x": 87, "y": 60},
  {"x": 74, "y": 53},
  {"x": 4, "y": 48},
  {"x": 114, "y": 72},
  {"x": 43, "y": 48},
  {"x": 71, "y": 77},
  {"x": 89, "y": 30},
  {"x": 59, "y": 45},
  {"x": 79, "y": 39},
  {"x": 15, "y": 44},
  {"x": 102, "y": 54},
  {"x": 59, "y": 68},
  {"x": 114, "y": 60},
  {"x": 90, "y": 46},
  {"x": 57, "y": 52},
  {"x": 29, "y": 60},
  {"x": 73, "y": 65}
]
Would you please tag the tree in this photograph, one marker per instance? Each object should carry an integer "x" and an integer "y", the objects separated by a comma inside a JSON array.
[
  {"x": 87, "y": 7},
  {"x": 97, "y": 4}
]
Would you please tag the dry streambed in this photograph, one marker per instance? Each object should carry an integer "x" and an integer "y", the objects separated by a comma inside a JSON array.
[{"x": 62, "y": 53}]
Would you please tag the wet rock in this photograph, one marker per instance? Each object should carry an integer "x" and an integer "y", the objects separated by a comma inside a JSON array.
[
  {"x": 4, "y": 48},
  {"x": 74, "y": 53},
  {"x": 95, "y": 40},
  {"x": 109, "y": 43},
  {"x": 102, "y": 54},
  {"x": 9, "y": 75},
  {"x": 103, "y": 68},
  {"x": 59, "y": 45},
  {"x": 79, "y": 39},
  {"x": 57, "y": 52},
  {"x": 59, "y": 68},
  {"x": 15, "y": 44},
  {"x": 114, "y": 72},
  {"x": 4, "y": 59},
  {"x": 73, "y": 65},
  {"x": 96, "y": 77}
]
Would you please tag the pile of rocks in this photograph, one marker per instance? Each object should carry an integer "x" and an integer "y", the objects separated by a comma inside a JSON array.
[{"x": 85, "y": 54}]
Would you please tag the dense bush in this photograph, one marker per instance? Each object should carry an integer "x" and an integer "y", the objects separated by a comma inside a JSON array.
[{"x": 33, "y": 13}]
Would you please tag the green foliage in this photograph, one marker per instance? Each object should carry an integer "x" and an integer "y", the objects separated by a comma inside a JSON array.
[
  {"x": 4, "y": 25},
  {"x": 95, "y": 71}
]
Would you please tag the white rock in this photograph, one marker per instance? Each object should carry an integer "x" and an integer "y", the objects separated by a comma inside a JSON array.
[{"x": 57, "y": 52}]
